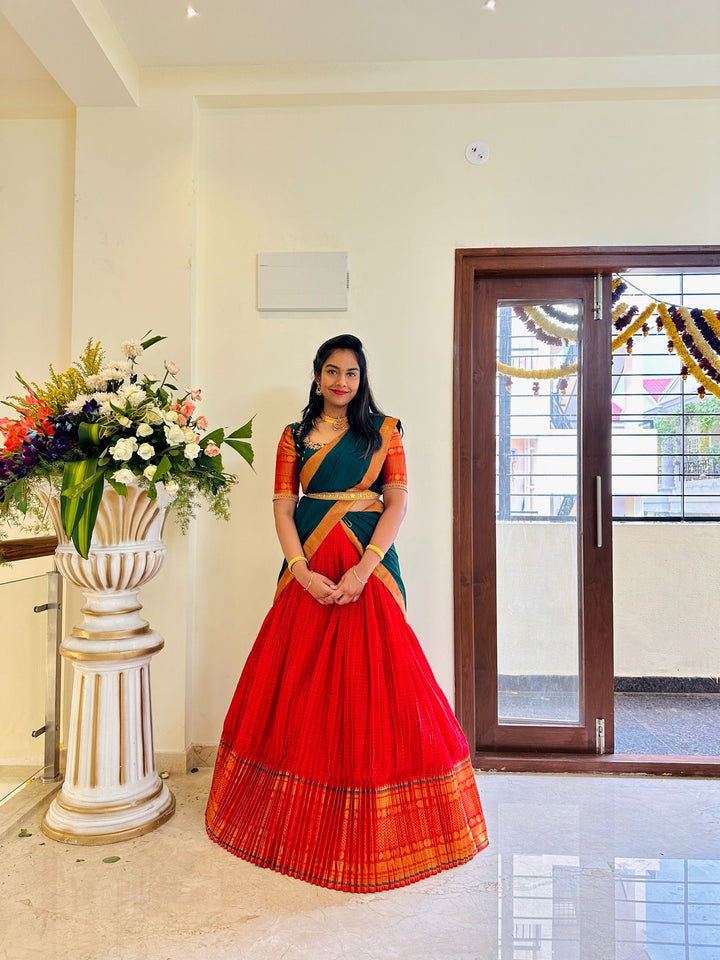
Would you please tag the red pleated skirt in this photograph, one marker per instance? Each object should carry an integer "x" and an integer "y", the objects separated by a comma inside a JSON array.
[{"x": 341, "y": 762}]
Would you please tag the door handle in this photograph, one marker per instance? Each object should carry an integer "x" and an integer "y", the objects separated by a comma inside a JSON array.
[{"x": 598, "y": 512}]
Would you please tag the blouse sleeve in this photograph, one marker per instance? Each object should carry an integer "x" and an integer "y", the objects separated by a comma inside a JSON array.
[
  {"x": 394, "y": 471},
  {"x": 287, "y": 474}
]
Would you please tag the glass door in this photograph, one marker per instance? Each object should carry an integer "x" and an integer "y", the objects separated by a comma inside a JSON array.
[{"x": 541, "y": 514}]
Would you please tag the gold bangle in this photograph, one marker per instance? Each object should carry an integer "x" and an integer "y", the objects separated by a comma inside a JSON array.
[
  {"x": 377, "y": 550},
  {"x": 295, "y": 560},
  {"x": 312, "y": 574},
  {"x": 357, "y": 577}
]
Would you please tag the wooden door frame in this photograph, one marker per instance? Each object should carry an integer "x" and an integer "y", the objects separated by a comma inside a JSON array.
[{"x": 483, "y": 263}]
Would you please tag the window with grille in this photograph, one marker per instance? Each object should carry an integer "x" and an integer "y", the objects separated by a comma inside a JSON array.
[{"x": 666, "y": 438}]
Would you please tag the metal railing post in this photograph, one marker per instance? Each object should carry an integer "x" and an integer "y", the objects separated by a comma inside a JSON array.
[{"x": 52, "y": 682}]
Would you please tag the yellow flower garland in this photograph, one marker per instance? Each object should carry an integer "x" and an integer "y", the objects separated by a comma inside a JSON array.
[
  {"x": 618, "y": 310},
  {"x": 700, "y": 342},
  {"x": 565, "y": 331},
  {"x": 544, "y": 373},
  {"x": 682, "y": 352},
  {"x": 555, "y": 373},
  {"x": 712, "y": 321},
  {"x": 623, "y": 337}
]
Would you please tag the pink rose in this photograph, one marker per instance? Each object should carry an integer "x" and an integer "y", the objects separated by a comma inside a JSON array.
[
  {"x": 176, "y": 407},
  {"x": 187, "y": 408},
  {"x": 196, "y": 394},
  {"x": 172, "y": 367},
  {"x": 212, "y": 450},
  {"x": 201, "y": 423},
  {"x": 182, "y": 420}
]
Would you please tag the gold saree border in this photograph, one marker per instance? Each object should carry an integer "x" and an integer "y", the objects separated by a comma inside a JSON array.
[{"x": 381, "y": 572}]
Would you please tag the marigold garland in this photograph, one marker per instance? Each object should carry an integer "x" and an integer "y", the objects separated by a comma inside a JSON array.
[
  {"x": 633, "y": 328},
  {"x": 713, "y": 321},
  {"x": 682, "y": 352},
  {"x": 545, "y": 373},
  {"x": 561, "y": 330},
  {"x": 700, "y": 342},
  {"x": 693, "y": 335}
]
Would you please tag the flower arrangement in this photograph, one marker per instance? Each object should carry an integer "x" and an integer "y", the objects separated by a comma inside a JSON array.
[{"x": 103, "y": 422}]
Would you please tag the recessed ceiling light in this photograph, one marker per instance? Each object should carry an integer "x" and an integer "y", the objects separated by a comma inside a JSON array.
[
  {"x": 490, "y": 4},
  {"x": 192, "y": 12}
]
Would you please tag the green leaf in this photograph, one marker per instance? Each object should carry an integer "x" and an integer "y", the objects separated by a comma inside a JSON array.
[
  {"x": 152, "y": 340},
  {"x": 20, "y": 498},
  {"x": 82, "y": 535},
  {"x": 74, "y": 474},
  {"x": 120, "y": 488},
  {"x": 163, "y": 467},
  {"x": 244, "y": 449},
  {"x": 86, "y": 483},
  {"x": 89, "y": 434},
  {"x": 110, "y": 859},
  {"x": 242, "y": 432},
  {"x": 217, "y": 436},
  {"x": 24, "y": 833},
  {"x": 152, "y": 492}
]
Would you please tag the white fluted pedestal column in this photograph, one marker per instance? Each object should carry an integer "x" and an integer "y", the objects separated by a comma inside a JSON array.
[{"x": 112, "y": 790}]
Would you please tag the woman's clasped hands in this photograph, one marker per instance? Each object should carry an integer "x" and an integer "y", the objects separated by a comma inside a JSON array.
[{"x": 326, "y": 592}]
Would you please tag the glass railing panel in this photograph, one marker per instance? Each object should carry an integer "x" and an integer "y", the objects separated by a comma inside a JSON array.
[{"x": 22, "y": 678}]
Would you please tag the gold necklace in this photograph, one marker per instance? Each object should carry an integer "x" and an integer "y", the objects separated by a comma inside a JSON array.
[{"x": 337, "y": 423}]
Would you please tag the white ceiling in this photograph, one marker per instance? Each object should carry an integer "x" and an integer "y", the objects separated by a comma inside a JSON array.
[
  {"x": 17, "y": 61},
  {"x": 158, "y": 33},
  {"x": 94, "y": 49}
]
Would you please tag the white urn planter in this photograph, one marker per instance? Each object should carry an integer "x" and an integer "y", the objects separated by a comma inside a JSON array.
[{"x": 111, "y": 789}]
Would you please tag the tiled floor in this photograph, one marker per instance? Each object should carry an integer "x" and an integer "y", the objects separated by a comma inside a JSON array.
[{"x": 579, "y": 868}]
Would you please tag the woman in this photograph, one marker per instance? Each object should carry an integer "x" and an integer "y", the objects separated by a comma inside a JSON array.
[{"x": 341, "y": 762}]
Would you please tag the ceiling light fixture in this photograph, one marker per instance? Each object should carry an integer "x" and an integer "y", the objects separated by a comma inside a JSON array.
[
  {"x": 191, "y": 12},
  {"x": 490, "y": 4}
]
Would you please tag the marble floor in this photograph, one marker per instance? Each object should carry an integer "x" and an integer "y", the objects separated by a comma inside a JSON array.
[{"x": 579, "y": 868}]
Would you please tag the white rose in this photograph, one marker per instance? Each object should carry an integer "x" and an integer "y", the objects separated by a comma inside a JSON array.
[
  {"x": 124, "y": 476},
  {"x": 153, "y": 415},
  {"x": 171, "y": 416},
  {"x": 132, "y": 349},
  {"x": 188, "y": 434},
  {"x": 124, "y": 421},
  {"x": 174, "y": 435},
  {"x": 172, "y": 487},
  {"x": 191, "y": 451},
  {"x": 124, "y": 448},
  {"x": 150, "y": 471},
  {"x": 144, "y": 430},
  {"x": 146, "y": 450}
]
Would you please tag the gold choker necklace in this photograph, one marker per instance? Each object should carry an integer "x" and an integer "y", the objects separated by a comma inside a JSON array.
[{"x": 337, "y": 423}]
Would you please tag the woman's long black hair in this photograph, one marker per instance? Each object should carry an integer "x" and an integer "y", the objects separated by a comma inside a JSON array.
[{"x": 361, "y": 409}]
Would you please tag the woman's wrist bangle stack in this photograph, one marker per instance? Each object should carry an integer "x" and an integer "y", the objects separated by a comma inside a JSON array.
[
  {"x": 357, "y": 577},
  {"x": 295, "y": 560},
  {"x": 307, "y": 585},
  {"x": 377, "y": 550}
]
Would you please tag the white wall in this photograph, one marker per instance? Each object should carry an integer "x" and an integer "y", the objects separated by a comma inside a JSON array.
[
  {"x": 175, "y": 198},
  {"x": 667, "y": 599},
  {"x": 390, "y": 185},
  {"x": 36, "y": 231}
]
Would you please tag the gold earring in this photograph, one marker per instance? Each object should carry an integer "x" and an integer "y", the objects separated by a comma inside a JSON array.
[{"x": 318, "y": 391}]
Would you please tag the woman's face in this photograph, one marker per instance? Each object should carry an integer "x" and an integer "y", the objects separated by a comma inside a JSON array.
[{"x": 339, "y": 379}]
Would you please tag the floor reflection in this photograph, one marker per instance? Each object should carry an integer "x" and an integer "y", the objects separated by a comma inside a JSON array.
[{"x": 551, "y": 908}]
